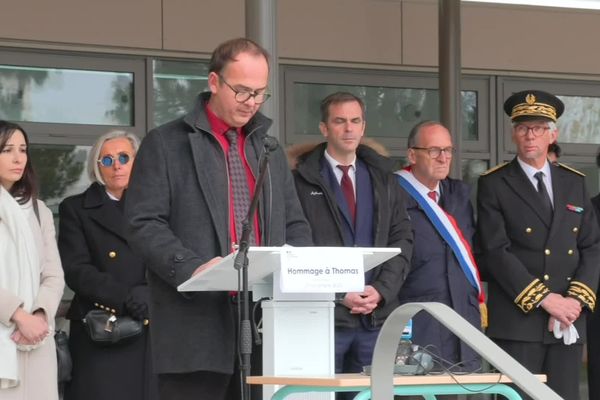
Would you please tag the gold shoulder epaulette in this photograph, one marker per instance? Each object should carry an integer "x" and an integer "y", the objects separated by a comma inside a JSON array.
[
  {"x": 494, "y": 169},
  {"x": 565, "y": 166}
]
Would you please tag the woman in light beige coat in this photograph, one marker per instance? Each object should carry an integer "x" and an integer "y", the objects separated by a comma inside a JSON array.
[{"x": 31, "y": 277}]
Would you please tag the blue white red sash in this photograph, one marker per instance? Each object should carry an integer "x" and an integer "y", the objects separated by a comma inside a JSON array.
[{"x": 447, "y": 227}]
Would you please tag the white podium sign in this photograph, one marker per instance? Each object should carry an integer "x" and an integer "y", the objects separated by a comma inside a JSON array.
[{"x": 311, "y": 270}]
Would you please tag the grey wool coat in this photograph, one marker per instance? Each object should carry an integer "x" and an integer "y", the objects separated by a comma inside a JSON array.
[{"x": 177, "y": 207}]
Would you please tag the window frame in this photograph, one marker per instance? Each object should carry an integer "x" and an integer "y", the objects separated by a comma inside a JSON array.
[
  {"x": 82, "y": 134},
  {"x": 576, "y": 152},
  {"x": 151, "y": 104},
  {"x": 292, "y": 74}
]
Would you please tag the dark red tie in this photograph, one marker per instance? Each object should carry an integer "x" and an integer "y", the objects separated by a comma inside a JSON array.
[
  {"x": 433, "y": 195},
  {"x": 348, "y": 190}
]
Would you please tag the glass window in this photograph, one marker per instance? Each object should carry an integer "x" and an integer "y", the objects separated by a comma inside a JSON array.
[
  {"x": 176, "y": 85},
  {"x": 592, "y": 175},
  {"x": 471, "y": 170},
  {"x": 61, "y": 171},
  {"x": 69, "y": 96},
  {"x": 391, "y": 112},
  {"x": 581, "y": 121}
]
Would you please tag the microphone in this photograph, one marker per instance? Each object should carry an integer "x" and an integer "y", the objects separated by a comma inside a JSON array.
[
  {"x": 270, "y": 143},
  {"x": 241, "y": 259},
  {"x": 241, "y": 263}
]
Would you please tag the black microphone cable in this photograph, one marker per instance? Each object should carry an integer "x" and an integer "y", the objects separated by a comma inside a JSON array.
[
  {"x": 447, "y": 368},
  {"x": 257, "y": 337}
]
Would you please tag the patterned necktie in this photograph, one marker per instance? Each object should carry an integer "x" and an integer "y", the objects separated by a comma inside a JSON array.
[
  {"x": 239, "y": 184},
  {"x": 544, "y": 196},
  {"x": 433, "y": 195},
  {"x": 348, "y": 190}
]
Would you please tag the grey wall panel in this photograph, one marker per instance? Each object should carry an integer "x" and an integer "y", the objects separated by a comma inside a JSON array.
[
  {"x": 131, "y": 23},
  {"x": 199, "y": 26},
  {"x": 362, "y": 31}
]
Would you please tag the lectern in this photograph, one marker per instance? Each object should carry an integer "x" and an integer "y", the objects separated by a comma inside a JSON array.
[{"x": 298, "y": 320}]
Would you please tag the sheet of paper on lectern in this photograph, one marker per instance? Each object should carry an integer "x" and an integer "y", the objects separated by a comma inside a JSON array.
[{"x": 319, "y": 270}]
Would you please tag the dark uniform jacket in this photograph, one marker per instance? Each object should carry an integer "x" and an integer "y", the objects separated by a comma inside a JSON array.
[
  {"x": 177, "y": 206},
  {"x": 524, "y": 257},
  {"x": 436, "y": 275},
  {"x": 391, "y": 226}
]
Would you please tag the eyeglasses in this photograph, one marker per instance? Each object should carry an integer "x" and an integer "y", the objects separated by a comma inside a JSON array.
[
  {"x": 537, "y": 130},
  {"x": 435, "y": 152},
  {"x": 242, "y": 96},
  {"x": 109, "y": 160}
]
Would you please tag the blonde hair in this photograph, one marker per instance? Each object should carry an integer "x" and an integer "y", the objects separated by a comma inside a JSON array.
[{"x": 93, "y": 169}]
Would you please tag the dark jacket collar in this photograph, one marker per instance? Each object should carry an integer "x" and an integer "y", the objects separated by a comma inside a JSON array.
[
  {"x": 103, "y": 210},
  {"x": 198, "y": 121},
  {"x": 309, "y": 163},
  {"x": 517, "y": 178},
  {"x": 95, "y": 196},
  {"x": 208, "y": 166}
]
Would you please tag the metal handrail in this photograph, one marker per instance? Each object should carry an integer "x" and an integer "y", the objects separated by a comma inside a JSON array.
[{"x": 384, "y": 356}]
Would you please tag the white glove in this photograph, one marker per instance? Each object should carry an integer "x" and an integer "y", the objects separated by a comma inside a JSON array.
[{"x": 569, "y": 335}]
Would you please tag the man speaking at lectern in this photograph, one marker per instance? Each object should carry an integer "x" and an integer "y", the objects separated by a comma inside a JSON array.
[
  {"x": 351, "y": 198},
  {"x": 189, "y": 192}
]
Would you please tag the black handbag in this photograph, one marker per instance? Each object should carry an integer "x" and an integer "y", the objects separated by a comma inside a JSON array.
[
  {"x": 106, "y": 328},
  {"x": 63, "y": 356}
]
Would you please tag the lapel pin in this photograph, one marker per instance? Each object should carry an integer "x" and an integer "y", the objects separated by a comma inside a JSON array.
[{"x": 573, "y": 208}]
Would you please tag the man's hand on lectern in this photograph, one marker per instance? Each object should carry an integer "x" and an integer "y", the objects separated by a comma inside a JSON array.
[{"x": 207, "y": 264}]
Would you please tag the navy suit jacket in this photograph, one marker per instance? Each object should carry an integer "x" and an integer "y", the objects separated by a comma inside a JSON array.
[{"x": 436, "y": 275}]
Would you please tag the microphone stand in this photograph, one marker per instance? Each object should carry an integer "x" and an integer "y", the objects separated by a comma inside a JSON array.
[{"x": 241, "y": 263}]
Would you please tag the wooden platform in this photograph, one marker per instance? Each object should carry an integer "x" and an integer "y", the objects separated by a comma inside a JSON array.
[{"x": 360, "y": 380}]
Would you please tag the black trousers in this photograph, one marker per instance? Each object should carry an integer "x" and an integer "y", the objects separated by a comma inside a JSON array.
[
  {"x": 198, "y": 385},
  {"x": 593, "y": 352},
  {"x": 559, "y": 362}
]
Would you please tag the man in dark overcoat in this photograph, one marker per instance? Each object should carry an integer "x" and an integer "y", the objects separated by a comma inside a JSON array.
[
  {"x": 191, "y": 177},
  {"x": 350, "y": 198},
  {"x": 539, "y": 244},
  {"x": 436, "y": 274}
]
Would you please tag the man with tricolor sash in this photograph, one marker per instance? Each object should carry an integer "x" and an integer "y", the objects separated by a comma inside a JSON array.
[
  {"x": 539, "y": 244},
  {"x": 442, "y": 265}
]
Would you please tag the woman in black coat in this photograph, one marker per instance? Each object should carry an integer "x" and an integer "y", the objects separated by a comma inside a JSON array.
[{"x": 104, "y": 273}]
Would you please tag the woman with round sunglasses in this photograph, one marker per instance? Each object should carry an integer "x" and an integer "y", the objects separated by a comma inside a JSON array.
[
  {"x": 104, "y": 274},
  {"x": 31, "y": 279}
]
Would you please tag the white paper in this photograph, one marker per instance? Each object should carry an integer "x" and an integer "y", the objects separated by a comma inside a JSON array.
[{"x": 308, "y": 271}]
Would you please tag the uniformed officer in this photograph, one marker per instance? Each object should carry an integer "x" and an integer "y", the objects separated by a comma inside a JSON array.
[{"x": 538, "y": 240}]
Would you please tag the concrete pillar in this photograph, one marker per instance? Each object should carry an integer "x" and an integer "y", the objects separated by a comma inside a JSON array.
[
  {"x": 449, "y": 75},
  {"x": 261, "y": 26}
]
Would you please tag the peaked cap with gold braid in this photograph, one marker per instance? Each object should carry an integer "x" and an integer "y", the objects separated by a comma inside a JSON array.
[{"x": 533, "y": 104}]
